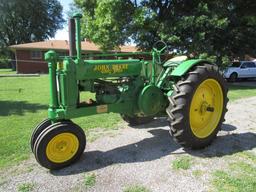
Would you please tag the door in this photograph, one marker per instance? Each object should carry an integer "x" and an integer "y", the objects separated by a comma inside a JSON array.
[
  {"x": 251, "y": 69},
  {"x": 244, "y": 71}
]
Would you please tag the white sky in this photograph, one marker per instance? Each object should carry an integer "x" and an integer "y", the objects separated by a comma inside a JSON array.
[{"x": 63, "y": 34}]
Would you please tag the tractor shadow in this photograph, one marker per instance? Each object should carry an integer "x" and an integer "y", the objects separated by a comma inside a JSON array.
[
  {"x": 156, "y": 123},
  {"x": 160, "y": 145},
  {"x": 19, "y": 107},
  {"x": 227, "y": 143},
  {"x": 148, "y": 149}
]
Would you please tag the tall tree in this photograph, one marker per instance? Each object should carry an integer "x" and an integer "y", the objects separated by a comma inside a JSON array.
[
  {"x": 30, "y": 20},
  {"x": 221, "y": 29}
]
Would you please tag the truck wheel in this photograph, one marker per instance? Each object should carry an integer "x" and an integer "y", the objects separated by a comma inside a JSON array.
[
  {"x": 133, "y": 121},
  {"x": 197, "y": 107},
  {"x": 59, "y": 145},
  {"x": 233, "y": 77}
]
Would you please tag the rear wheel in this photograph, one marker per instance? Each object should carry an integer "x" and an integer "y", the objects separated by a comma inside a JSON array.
[
  {"x": 197, "y": 107},
  {"x": 133, "y": 121},
  {"x": 59, "y": 145}
]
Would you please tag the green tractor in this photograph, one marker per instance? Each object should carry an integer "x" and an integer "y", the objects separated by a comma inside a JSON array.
[{"x": 191, "y": 93}]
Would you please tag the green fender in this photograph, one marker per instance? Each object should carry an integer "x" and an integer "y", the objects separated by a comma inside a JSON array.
[{"x": 184, "y": 67}]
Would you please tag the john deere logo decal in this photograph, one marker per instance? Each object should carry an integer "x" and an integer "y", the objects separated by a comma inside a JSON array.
[{"x": 110, "y": 69}]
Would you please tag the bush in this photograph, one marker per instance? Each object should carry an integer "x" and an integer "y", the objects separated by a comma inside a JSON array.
[{"x": 5, "y": 56}]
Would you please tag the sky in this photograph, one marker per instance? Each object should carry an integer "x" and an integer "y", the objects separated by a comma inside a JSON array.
[{"x": 63, "y": 33}]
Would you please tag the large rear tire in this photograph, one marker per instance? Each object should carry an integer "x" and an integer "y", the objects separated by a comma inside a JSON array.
[{"x": 197, "y": 107}]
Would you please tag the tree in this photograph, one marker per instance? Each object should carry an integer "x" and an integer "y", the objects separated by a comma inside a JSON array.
[
  {"x": 30, "y": 20},
  {"x": 106, "y": 22},
  {"x": 73, "y": 8},
  {"x": 219, "y": 29}
]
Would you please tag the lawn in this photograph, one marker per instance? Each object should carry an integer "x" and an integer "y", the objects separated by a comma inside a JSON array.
[
  {"x": 7, "y": 71},
  {"x": 240, "y": 176},
  {"x": 23, "y": 104},
  {"x": 238, "y": 92}
]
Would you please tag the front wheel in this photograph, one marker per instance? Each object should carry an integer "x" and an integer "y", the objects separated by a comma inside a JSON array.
[
  {"x": 59, "y": 145},
  {"x": 197, "y": 107},
  {"x": 38, "y": 129}
]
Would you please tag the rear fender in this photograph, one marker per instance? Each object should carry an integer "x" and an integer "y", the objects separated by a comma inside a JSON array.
[{"x": 185, "y": 66}]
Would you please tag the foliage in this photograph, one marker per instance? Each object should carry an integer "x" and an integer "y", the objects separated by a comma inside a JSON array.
[
  {"x": 73, "y": 8},
  {"x": 182, "y": 163},
  {"x": 30, "y": 20},
  {"x": 90, "y": 180},
  {"x": 106, "y": 22},
  {"x": 136, "y": 188},
  {"x": 220, "y": 29},
  {"x": 26, "y": 187},
  {"x": 239, "y": 178},
  {"x": 4, "y": 61}
]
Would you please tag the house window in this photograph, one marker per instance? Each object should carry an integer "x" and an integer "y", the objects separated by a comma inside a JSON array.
[{"x": 36, "y": 55}]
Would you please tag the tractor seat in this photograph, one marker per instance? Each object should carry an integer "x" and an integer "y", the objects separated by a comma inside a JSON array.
[{"x": 175, "y": 61}]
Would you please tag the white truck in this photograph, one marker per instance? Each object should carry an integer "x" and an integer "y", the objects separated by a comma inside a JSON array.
[{"x": 240, "y": 69}]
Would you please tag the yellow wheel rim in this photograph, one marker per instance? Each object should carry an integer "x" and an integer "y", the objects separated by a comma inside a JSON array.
[
  {"x": 206, "y": 108},
  {"x": 62, "y": 147}
]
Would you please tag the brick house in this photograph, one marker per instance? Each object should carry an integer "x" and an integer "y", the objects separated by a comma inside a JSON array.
[{"x": 30, "y": 56}]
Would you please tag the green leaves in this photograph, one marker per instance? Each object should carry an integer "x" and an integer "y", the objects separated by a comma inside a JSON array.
[
  {"x": 31, "y": 20},
  {"x": 219, "y": 28},
  {"x": 107, "y": 23}
]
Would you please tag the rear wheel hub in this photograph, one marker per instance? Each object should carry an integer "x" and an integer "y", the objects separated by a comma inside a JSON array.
[{"x": 206, "y": 108}]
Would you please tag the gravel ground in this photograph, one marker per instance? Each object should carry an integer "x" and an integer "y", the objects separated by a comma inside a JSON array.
[{"x": 144, "y": 156}]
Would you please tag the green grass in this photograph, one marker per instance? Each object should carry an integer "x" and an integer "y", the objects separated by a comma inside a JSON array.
[
  {"x": 7, "y": 71},
  {"x": 197, "y": 173},
  {"x": 238, "y": 92},
  {"x": 239, "y": 178},
  {"x": 90, "y": 180},
  {"x": 249, "y": 156},
  {"x": 23, "y": 104},
  {"x": 184, "y": 163},
  {"x": 136, "y": 188},
  {"x": 26, "y": 187}
]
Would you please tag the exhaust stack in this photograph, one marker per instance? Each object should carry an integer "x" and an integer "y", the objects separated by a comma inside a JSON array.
[{"x": 72, "y": 37}]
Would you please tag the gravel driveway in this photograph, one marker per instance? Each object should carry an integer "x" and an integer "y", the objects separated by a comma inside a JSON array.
[{"x": 143, "y": 156}]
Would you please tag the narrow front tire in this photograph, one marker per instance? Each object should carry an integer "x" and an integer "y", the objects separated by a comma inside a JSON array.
[{"x": 60, "y": 145}]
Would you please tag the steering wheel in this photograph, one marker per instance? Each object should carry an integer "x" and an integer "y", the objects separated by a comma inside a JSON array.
[{"x": 159, "y": 46}]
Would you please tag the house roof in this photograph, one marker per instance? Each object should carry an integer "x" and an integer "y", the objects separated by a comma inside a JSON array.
[{"x": 64, "y": 45}]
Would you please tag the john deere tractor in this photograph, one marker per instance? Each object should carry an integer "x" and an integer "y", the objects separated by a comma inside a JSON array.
[{"x": 191, "y": 93}]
